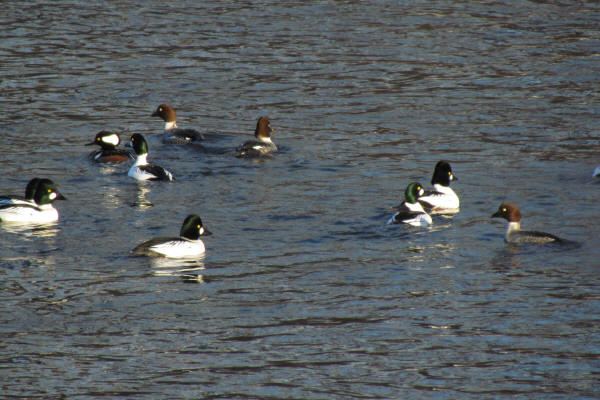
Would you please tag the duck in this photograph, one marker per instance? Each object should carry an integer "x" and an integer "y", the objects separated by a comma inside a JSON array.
[
  {"x": 188, "y": 244},
  {"x": 596, "y": 172},
  {"x": 174, "y": 134},
  {"x": 108, "y": 153},
  {"x": 442, "y": 199},
  {"x": 262, "y": 145},
  {"x": 141, "y": 169},
  {"x": 40, "y": 210},
  {"x": 514, "y": 234},
  {"x": 27, "y": 199},
  {"x": 411, "y": 212}
]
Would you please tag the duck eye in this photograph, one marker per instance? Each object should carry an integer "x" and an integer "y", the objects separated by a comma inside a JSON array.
[
  {"x": 49, "y": 190},
  {"x": 504, "y": 210},
  {"x": 199, "y": 226}
]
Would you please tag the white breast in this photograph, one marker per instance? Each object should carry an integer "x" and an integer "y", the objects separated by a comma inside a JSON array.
[
  {"x": 28, "y": 214},
  {"x": 138, "y": 174},
  {"x": 179, "y": 248}
]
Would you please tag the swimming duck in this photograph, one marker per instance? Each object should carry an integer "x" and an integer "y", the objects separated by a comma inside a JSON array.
[
  {"x": 514, "y": 234},
  {"x": 108, "y": 153},
  {"x": 40, "y": 210},
  {"x": 188, "y": 244},
  {"x": 173, "y": 134},
  {"x": 410, "y": 211},
  {"x": 141, "y": 169},
  {"x": 262, "y": 145},
  {"x": 442, "y": 199}
]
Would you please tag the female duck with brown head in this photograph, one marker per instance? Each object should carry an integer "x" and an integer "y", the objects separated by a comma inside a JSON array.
[
  {"x": 174, "y": 134},
  {"x": 514, "y": 234},
  {"x": 262, "y": 145}
]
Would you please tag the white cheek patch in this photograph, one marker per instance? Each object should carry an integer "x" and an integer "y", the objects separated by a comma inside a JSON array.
[
  {"x": 201, "y": 231},
  {"x": 111, "y": 139},
  {"x": 53, "y": 195},
  {"x": 421, "y": 192}
]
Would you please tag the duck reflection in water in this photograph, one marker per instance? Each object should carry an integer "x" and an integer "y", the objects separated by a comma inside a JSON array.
[
  {"x": 140, "y": 199},
  {"x": 182, "y": 268}
]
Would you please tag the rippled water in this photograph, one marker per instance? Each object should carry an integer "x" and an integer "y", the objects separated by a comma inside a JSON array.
[{"x": 304, "y": 291}]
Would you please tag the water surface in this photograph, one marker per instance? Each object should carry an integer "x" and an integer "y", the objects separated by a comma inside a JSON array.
[{"x": 304, "y": 291}]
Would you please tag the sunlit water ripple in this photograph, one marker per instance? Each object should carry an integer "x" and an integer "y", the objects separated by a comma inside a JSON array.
[{"x": 304, "y": 291}]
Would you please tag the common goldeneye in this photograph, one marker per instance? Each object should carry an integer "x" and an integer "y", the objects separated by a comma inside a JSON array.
[
  {"x": 27, "y": 199},
  {"x": 173, "y": 134},
  {"x": 514, "y": 234},
  {"x": 263, "y": 144},
  {"x": 141, "y": 170},
  {"x": 442, "y": 199},
  {"x": 188, "y": 244},
  {"x": 108, "y": 141},
  {"x": 410, "y": 211},
  {"x": 38, "y": 211}
]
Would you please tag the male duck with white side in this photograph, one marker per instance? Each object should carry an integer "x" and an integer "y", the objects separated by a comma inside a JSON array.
[
  {"x": 39, "y": 210},
  {"x": 442, "y": 199},
  {"x": 188, "y": 244},
  {"x": 141, "y": 169},
  {"x": 410, "y": 211}
]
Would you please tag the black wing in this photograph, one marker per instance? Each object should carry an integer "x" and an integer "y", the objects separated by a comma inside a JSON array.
[
  {"x": 431, "y": 193},
  {"x": 403, "y": 213},
  {"x": 144, "y": 248},
  {"x": 251, "y": 148},
  {"x": 182, "y": 136},
  {"x": 8, "y": 199},
  {"x": 159, "y": 172},
  {"x": 19, "y": 205},
  {"x": 424, "y": 202}
]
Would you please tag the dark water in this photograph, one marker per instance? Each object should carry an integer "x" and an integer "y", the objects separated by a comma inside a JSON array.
[{"x": 304, "y": 291}]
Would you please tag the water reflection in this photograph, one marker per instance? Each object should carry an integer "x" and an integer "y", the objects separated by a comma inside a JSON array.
[
  {"x": 140, "y": 200},
  {"x": 30, "y": 230},
  {"x": 507, "y": 258},
  {"x": 187, "y": 269},
  {"x": 29, "y": 261},
  {"x": 111, "y": 196},
  {"x": 423, "y": 253}
]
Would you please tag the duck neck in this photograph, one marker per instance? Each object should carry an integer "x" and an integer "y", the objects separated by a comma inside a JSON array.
[
  {"x": 442, "y": 188},
  {"x": 170, "y": 125},
  {"x": 513, "y": 227},
  {"x": 264, "y": 139},
  {"x": 141, "y": 159}
]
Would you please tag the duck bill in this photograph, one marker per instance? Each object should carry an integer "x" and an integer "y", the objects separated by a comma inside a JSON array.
[
  {"x": 497, "y": 214},
  {"x": 155, "y": 114},
  {"x": 60, "y": 196},
  {"x": 206, "y": 232}
]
